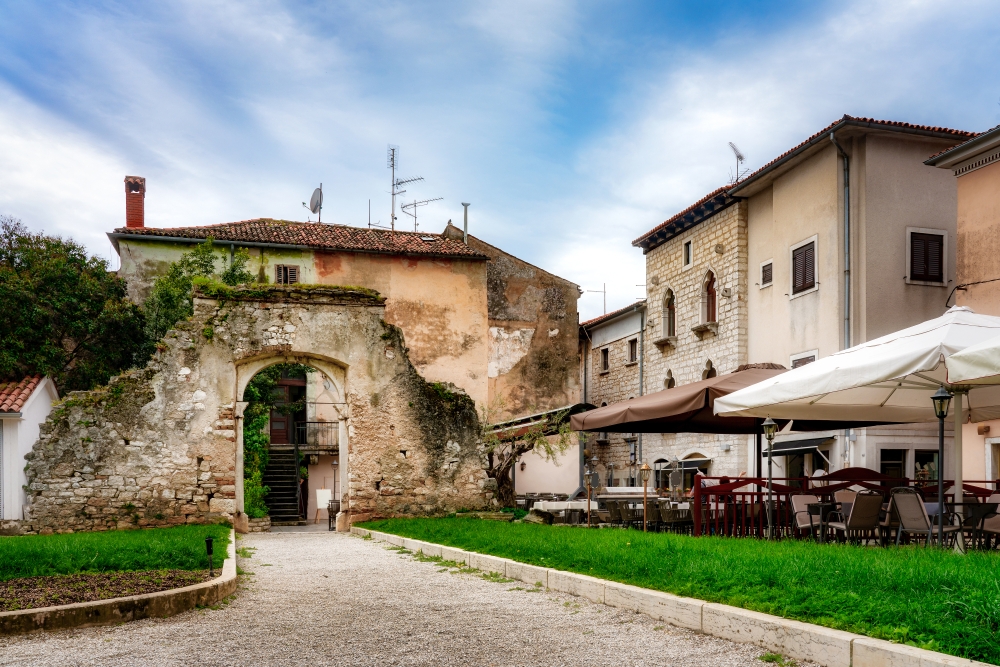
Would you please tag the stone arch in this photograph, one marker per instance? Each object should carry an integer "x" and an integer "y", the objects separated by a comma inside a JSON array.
[
  {"x": 709, "y": 298},
  {"x": 669, "y": 382},
  {"x": 710, "y": 370}
]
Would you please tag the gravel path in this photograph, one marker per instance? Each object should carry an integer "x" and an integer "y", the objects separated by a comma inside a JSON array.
[{"x": 334, "y": 599}]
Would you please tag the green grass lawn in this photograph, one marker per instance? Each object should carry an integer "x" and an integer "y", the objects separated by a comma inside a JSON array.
[
  {"x": 179, "y": 548},
  {"x": 925, "y": 597}
]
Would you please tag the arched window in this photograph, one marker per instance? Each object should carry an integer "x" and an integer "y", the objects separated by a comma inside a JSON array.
[
  {"x": 708, "y": 298},
  {"x": 709, "y": 371},
  {"x": 669, "y": 314},
  {"x": 669, "y": 382}
]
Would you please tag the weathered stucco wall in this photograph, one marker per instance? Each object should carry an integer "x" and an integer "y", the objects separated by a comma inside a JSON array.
[
  {"x": 979, "y": 238},
  {"x": 533, "y": 332},
  {"x": 162, "y": 445}
]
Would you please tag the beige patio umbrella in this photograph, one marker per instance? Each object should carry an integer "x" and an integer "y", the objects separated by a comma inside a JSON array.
[{"x": 976, "y": 365}]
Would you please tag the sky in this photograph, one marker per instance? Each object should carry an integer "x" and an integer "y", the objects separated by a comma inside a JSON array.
[{"x": 571, "y": 127}]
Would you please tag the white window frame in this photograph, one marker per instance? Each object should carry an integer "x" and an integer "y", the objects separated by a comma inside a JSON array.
[
  {"x": 689, "y": 244},
  {"x": 801, "y": 355},
  {"x": 760, "y": 273},
  {"x": 814, "y": 239},
  {"x": 944, "y": 256}
]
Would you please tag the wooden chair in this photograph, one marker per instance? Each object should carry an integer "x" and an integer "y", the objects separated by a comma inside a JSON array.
[{"x": 803, "y": 519}]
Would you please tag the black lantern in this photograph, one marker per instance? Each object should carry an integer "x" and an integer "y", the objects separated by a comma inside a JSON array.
[
  {"x": 770, "y": 428},
  {"x": 942, "y": 401},
  {"x": 208, "y": 550}
]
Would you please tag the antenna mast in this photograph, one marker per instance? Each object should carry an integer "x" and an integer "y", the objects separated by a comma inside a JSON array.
[
  {"x": 413, "y": 205},
  {"x": 740, "y": 158},
  {"x": 392, "y": 161}
]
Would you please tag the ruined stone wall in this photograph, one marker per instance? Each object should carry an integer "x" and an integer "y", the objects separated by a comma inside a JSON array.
[
  {"x": 533, "y": 335},
  {"x": 161, "y": 445},
  {"x": 719, "y": 244}
]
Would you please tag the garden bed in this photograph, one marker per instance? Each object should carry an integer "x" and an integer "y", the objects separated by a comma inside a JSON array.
[
  {"x": 48, "y": 570},
  {"x": 923, "y": 597}
]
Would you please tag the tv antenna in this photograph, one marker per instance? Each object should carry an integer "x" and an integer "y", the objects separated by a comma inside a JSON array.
[
  {"x": 392, "y": 162},
  {"x": 316, "y": 203},
  {"x": 414, "y": 205},
  {"x": 740, "y": 159},
  {"x": 603, "y": 291}
]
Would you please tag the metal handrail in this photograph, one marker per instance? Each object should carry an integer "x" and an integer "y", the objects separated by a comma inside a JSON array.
[{"x": 298, "y": 482}]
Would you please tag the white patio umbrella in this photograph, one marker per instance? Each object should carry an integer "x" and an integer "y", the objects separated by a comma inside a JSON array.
[
  {"x": 887, "y": 380},
  {"x": 976, "y": 365}
]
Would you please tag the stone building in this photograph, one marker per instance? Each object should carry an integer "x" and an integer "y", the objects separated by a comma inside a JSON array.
[
  {"x": 611, "y": 362},
  {"x": 696, "y": 328}
]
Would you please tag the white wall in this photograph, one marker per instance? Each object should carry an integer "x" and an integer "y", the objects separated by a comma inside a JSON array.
[
  {"x": 19, "y": 436},
  {"x": 542, "y": 476}
]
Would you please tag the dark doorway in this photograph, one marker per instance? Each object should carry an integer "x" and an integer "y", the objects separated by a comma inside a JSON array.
[{"x": 893, "y": 463}]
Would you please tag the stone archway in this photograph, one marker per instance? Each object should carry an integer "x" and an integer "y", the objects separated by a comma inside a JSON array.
[{"x": 161, "y": 445}]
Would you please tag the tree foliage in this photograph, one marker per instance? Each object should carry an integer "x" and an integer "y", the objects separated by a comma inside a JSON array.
[
  {"x": 550, "y": 436},
  {"x": 170, "y": 300},
  {"x": 64, "y": 314}
]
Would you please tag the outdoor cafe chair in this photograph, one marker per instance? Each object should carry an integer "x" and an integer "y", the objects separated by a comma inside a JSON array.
[
  {"x": 803, "y": 519},
  {"x": 614, "y": 513},
  {"x": 888, "y": 523},
  {"x": 913, "y": 515},
  {"x": 863, "y": 519},
  {"x": 991, "y": 526}
]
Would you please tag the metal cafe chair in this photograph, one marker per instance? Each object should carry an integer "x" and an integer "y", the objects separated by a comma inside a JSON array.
[
  {"x": 913, "y": 515},
  {"x": 863, "y": 519}
]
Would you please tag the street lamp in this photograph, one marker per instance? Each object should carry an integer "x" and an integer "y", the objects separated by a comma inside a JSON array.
[
  {"x": 941, "y": 400},
  {"x": 770, "y": 428},
  {"x": 208, "y": 550},
  {"x": 591, "y": 476},
  {"x": 644, "y": 473}
]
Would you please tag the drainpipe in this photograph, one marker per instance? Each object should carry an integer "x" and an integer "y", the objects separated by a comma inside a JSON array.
[
  {"x": 847, "y": 259},
  {"x": 642, "y": 356}
]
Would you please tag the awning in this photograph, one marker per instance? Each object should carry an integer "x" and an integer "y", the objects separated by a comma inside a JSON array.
[
  {"x": 808, "y": 446},
  {"x": 686, "y": 464}
]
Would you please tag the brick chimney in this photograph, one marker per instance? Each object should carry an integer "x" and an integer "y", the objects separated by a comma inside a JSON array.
[{"x": 135, "y": 195}]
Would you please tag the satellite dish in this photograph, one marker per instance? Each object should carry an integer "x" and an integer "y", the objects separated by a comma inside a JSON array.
[{"x": 316, "y": 201}]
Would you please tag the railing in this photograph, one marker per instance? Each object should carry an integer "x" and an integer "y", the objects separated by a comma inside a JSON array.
[
  {"x": 317, "y": 434},
  {"x": 738, "y": 508}
]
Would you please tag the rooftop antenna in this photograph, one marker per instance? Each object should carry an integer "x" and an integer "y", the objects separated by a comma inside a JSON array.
[
  {"x": 316, "y": 203},
  {"x": 413, "y": 205},
  {"x": 740, "y": 159},
  {"x": 603, "y": 291},
  {"x": 392, "y": 162}
]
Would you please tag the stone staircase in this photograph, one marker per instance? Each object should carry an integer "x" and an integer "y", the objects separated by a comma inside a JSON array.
[{"x": 279, "y": 476}]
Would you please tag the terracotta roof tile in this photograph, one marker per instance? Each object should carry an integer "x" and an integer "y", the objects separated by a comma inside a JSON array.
[
  {"x": 13, "y": 395},
  {"x": 318, "y": 236},
  {"x": 720, "y": 193},
  {"x": 613, "y": 314},
  {"x": 855, "y": 121}
]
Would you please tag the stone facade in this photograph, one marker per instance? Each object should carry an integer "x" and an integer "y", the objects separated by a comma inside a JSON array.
[
  {"x": 162, "y": 445},
  {"x": 718, "y": 245}
]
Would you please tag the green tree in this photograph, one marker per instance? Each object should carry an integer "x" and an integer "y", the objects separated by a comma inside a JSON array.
[
  {"x": 64, "y": 314},
  {"x": 170, "y": 300}
]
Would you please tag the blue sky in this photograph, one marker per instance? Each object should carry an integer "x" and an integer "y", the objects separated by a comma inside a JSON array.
[{"x": 571, "y": 127}]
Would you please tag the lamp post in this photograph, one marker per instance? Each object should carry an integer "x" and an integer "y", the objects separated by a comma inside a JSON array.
[
  {"x": 644, "y": 473},
  {"x": 591, "y": 474},
  {"x": 770, "y": 428},
  {"x": 208, "y": 549},
  {"x": 941, "y": 400}
]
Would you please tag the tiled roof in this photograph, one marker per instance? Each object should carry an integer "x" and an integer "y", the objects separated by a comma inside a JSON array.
[
  {"x": 13, "y": 395},
  {"x": 699, "y": 211},
  {"x": 962, "y": 145},
  {"x": 316, "y": 235},
  {"x": 613, "y": 314},
  {"x": 892, "y": 125}
]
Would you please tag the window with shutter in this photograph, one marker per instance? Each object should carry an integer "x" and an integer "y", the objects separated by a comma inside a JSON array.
[
  {"x": 285, "y": 274},
  {"x": 927, "y": 257},
  {"x": 804, "y": 268},
  {"x": 766, "y": 274}
]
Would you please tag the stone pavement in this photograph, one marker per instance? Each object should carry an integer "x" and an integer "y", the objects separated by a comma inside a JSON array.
[{"x": 319, "y": 598}]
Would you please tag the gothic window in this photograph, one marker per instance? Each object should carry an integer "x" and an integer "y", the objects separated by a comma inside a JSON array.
[{"x": 669, "y": 315}]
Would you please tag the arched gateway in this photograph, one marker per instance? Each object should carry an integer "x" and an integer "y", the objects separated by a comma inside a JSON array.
[{"x": 163, "y": 444}]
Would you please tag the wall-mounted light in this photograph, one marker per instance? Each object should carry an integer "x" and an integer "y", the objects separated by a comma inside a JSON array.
[{"x": 523, "y": 466}]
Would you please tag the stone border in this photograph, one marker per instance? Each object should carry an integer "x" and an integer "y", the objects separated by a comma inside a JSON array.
[
  {"x": 795, "y": 639},
  {"x": 133, "y": 608}
]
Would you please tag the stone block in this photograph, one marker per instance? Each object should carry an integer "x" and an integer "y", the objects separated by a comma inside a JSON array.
[
  {"x": 431, "y": 550},
  {"x": 529, "y": 574},
  {"x": 222, "y": 505},
  {"x": 487, "y": 563},
  {"x": 802, "y": 641},
  {"x": 577, "y": 584},
  {"x": 396, "y": 540},
  {"x": 413, "y": 545},
  {"x": 457, "y": 555},
  {"x": 675, "y": 610},
  {"x": 880, "y": 653}
]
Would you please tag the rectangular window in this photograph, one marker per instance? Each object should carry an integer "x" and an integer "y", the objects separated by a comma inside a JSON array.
[
  {"x": 927, "y": 257},
  {"x": 766, "y": 274},
  {"x": 687, "y": 253},
  {"x": 804, "y": 267},
  {"x": 605, "y": 365},
  {"x": 633, "y": 351},
  {"x": 925, "y": 463},
  {"x": 285, "y": 274},
  {"x": 802, "y": 361}
]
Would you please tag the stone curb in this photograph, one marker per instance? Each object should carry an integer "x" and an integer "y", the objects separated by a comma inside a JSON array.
[
  {"x": 133, "y": 608},
  {"x": 795, "y": 639}
]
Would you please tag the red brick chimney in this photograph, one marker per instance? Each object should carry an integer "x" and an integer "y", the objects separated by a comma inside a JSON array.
[{"x": 135, "y": 195}]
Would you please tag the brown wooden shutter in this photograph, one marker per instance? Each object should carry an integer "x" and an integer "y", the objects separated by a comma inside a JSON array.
[
  {"x": 927, "y": 257},
  {"x": 766, "y": 272},
  {"x": 804, "y": 268},
  {"x": 293, "y": 274}
]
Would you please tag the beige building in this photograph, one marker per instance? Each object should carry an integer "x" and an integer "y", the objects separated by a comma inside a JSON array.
[
  {"x": 975, "y": 166},
  {"x": 851, "y": 236},
  {"x": 696, "y": 286}
]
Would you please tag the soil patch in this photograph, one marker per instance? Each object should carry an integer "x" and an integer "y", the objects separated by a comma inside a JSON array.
[{"x": 35, "y": 592}]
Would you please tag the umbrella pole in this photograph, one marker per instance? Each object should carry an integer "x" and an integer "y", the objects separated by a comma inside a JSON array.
[
  {"x": 959, "y": 482},
  {"x": 756, "y": 465}
]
